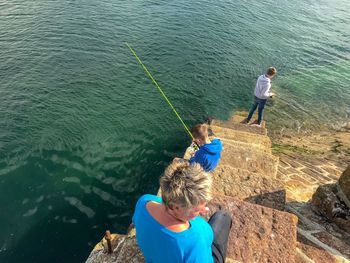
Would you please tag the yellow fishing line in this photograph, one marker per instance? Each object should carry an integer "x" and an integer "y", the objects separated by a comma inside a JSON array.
[{"x": 160, "y": 90}]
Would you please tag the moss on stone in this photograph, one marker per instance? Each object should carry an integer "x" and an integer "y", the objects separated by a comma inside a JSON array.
[{"x": 278, "y": 148}]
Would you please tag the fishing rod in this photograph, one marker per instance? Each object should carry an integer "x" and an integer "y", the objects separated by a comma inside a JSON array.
[{"x": 161, "y": 91}]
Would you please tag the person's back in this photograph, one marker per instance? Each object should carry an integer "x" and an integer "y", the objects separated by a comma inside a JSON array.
[
  {"x": 159, "y": 244},
  {"x": 208, "y": 156},
  {"x": 209, "y": 153},
  {"x": 169, "y": 229},
  {"x": 262, "y": 87}
]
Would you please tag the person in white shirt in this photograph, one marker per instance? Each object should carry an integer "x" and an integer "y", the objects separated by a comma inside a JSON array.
[{"x": 261, "y": 94}]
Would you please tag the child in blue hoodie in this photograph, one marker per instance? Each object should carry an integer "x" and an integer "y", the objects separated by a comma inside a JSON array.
[{"x": 209, "y": 153}]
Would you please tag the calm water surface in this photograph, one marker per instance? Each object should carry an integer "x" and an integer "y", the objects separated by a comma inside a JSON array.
[{"x": 83, "y": 132}]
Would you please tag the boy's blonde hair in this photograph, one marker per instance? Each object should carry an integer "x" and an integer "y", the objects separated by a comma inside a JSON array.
[
  {"x": 200, "y": 131},
  {"x": 185, "y": 185}
]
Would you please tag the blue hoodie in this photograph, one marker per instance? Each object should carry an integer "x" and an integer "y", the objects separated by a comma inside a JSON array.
[{"x": 208, "y": 155}]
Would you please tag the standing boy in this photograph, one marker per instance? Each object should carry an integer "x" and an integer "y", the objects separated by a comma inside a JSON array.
[{"x": 261, "y": 94}]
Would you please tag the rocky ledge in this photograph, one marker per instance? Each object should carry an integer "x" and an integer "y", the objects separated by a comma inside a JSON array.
[{"x": 269, "y": 197}]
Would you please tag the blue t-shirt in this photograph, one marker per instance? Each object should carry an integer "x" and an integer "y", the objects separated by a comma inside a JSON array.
[{"x": 159, "y": 244}]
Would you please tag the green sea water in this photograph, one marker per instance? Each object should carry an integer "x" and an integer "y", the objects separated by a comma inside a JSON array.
[{"x": 83, "y": 132}]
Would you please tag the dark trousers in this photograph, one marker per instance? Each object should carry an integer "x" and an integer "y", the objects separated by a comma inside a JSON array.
[
  {"x": 260, "y": 104},
  {"x": 221, "y": 223}
]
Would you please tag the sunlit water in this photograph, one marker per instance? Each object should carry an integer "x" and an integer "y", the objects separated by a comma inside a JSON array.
[{"x": 83, "y": 132}]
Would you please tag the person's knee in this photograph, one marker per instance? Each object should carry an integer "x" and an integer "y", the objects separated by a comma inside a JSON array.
[{"x": 223, "y": 216}]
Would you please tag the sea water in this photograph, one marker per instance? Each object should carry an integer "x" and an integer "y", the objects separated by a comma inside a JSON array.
[{"x": 84, "y": 132}]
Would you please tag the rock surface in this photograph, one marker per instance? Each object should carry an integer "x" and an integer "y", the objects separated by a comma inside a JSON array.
[
  {"x": 331, "y": 206},
  {"x": 254, "y": 140},
  {"x": 248, "y": 171},
  {"x": 248, "y": 186},
  {"x": 302, "y": 174},
  {"x": 258, "y": 233},
  {"x": 234, "y": 123},
  {"x": 308, "y": 252},
  {"x": 250, "y": 159},
  {"x": 125, "y": 249},
  {"x": 344, "y": 184}
]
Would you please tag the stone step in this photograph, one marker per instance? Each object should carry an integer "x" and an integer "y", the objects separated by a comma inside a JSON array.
[
  {"x": 318, "y": 237},
  {"x": 236, "y": 124},
  {"x": 256, "y": 147},
  {"x": 308, "y": 252},
  {"x": 238, "y": 118},
  {"x": 258, "y": 233},
  {"x": 252, "y": 187},
  {"x": 249, "y": 159},
  {"x": 246, "y": 137},
  {"x": 314, "y": 247}
]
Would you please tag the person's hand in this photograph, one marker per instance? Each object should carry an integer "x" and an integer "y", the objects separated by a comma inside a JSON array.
[
  {"x": 272, "y": 94},
  {"x": 177, "y": 160}
]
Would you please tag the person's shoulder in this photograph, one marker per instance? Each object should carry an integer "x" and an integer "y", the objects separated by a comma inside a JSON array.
[
  {"x": 148, "y": 197},
  {"x": 216, "y": 141},
  {"x": 199, "y": 223}
]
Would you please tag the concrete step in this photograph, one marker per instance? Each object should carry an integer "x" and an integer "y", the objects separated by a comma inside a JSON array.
[
  {"x": 248, "y": 186},
  {"x": 319, "y": 240},
  {"x": 256, "y": 147},
  {"x": 249, "y": 159},
  {"x": 236, "y": 124},
  {"x": 258, "y": 233},
  {"x": 242, "y": 136}
]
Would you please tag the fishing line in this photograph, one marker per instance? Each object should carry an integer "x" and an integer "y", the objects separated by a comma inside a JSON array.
[{"x": 159, "y": 89}]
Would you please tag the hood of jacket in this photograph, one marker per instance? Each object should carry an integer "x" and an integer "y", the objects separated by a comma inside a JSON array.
[
  {"x": 213, "y": 148},
  {"x": 263, "y": 81}
]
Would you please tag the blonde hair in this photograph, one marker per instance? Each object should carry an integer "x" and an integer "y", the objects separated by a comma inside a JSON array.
[
  {"x": 200, "y": 131},
  {"x": 185, "y": 185},
  {"x": 271, "y": 71}
]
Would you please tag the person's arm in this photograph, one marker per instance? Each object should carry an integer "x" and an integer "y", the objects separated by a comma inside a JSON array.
[
  {"x": 131, "y": 226},
  {"x": 195, "y": 157},
  {"x": 190, "y": 151},
  {"x": 266, "y": 91}
]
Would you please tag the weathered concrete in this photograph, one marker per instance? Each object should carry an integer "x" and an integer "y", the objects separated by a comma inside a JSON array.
[
  {"x": 302, "y": 174},
  {"x": 252, "y": 187},
  {"x": 308, "y": 252},
  {"x": 253, "y": 140},
  {"x": 249, "y": 159},
  {"x": 235, "y": 124},
  {"x": 258, "y": 233}
]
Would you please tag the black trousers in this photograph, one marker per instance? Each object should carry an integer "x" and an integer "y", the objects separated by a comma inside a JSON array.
[{"x": 221, "y": 223}]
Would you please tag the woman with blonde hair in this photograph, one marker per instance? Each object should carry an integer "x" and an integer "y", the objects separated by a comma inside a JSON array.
[{"x": 169, "y": 229}]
